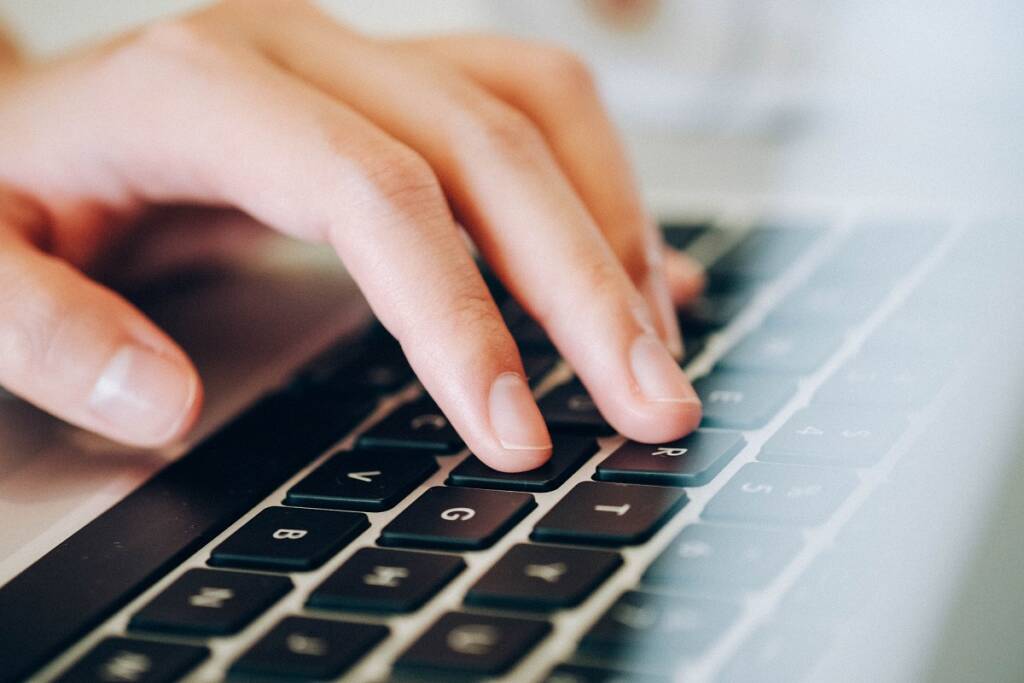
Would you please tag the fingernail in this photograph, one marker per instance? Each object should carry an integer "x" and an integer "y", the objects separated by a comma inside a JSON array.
[
  {"x": 515, "y": 418},
  {"x": 661, "y": 302},
  {"x": 142, "y": 394},
  {"x": 657, "y": 374}
]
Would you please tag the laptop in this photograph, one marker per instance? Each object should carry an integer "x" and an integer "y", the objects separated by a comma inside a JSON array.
[{"x": 848, "y": 510}]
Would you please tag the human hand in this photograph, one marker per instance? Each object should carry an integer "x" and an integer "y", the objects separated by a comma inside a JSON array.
[{"x": 373, "y": 146}]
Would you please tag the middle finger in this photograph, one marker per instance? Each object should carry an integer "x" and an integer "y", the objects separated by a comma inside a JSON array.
[{"x": 519, "y": 208}]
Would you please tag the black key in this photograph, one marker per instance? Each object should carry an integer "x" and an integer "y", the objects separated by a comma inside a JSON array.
[
  {"x": 377, "y": 580},
  {"x": 569, "y": 454},
  {"x": 775, "y": 653},
  {"x": 381, "y": 369},
  {"x": 742, "y": 400},
  {"x": 652, "y": 632},
  {"x": 135, "y": 661},
  {"x": 529, "y": 335},
  {"x": 709, "y": 559},
  {"x": 288, "y": 539},
  {"x": 599, "y": 513},
  {"x": 307, "y": 649},
  {"x": 693, "y": 460},
  {"x": 362, "y": 480},
  {"x": 834, "y": 436},
  {"x": 878, "y": 381},
  {"x": 712, "y": 310},
  {"x": 681, "y": 235},
  {"x": 417, "y": 426},
  {"x": 790, "y": 349},
  {"x": 781, "y": 494},
  {"x": 537, "y": 577},
  {"x": 569, "y": 408},
  {"x": 456, "y": 518},
  {"x": 472, "y": 645},
  {"x": 694, "y": 343},
  {"x": 208, "y": 602},
  {"x": 537, "y": 365},
  {"x": 117, "y": 556},
  {"x": 765, "y": 252}
]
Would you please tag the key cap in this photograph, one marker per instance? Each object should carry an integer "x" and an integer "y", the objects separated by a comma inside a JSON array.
[
  {"x": 742, "y": 400},
  {"x": 652, "y": 632},
  {"x": 300, "y": 648},
  {"x": 568, "y": 455},
  {"x": 693, "y": 460},
  {"x": 537, "y": 365},
  {"x": 381, "y": 368},
  {"x": 472, "y": 645},
  {"x": 681, "y": 234},
  {"x": 714, "y": 560},
  {"x": 694, "y": 343},
  {"x": 416, "y": 426},
  {"x": 600, "y": 513},
  {"x": 877, "y": 381},
  {"x": 822, "y": 435},
  {"x": 543, "y": 578},
  {"x": 288, "y": 539},
  {"x": 576, "y": 673},
  {"x": 378, "y": 580},
  {"x": 569, "y": 408},
  {"x": 362, "y": 480},
  {"x": 137, "y": 661},
  {"x": 787, "y": 349},
  {"x": 209, "y": 602},
  {"x": 457, "y": 518},
  {"x": 823, "y": 303},
  {"x": 529, "y": 335},
  {"x": 781, "y": 494},
  {"x": 775, "y": 653},
  {"x": 712, "y": 310},
  {"x": 765, "y": 252}
]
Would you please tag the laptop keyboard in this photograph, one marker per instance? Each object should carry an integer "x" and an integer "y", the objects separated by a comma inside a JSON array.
[{"x": 365, "y": 545}]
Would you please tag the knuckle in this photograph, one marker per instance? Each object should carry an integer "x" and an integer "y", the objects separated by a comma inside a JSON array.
[
  {"x": 567, "y": 70},
  {"x": 402, "y": 178},
  {"x": 173, "y": 43},
  {"x": 476, "y": 311},
  {"x": 506, "y": 132}
]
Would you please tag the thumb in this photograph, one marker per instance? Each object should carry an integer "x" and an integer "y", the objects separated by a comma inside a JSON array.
[{"x": 78, "y": 350}]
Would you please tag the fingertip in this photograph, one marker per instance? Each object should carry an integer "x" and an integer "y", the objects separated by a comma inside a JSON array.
[
  {"x": 145, "y": 397},
  {"x": 513, "y": 460}
]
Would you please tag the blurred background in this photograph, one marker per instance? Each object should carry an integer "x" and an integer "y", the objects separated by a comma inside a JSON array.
[{"x": 900, "y": 99}]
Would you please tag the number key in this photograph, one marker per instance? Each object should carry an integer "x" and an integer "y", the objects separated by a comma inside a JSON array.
[
  {"x": 834, "y": 436},
  {"x": 781, "y": 494}
]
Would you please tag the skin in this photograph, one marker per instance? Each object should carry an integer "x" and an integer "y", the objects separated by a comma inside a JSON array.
[{"x": 386, "y": 150}]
